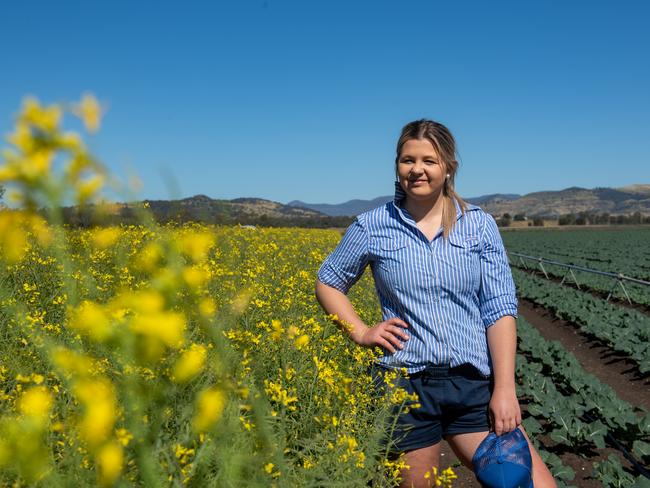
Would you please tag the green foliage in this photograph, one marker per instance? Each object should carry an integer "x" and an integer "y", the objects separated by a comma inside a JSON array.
[
  {"x": 615, "y": 251},
  {"x": 622, "y": 329},
  {"x": 610, "y": 473}
]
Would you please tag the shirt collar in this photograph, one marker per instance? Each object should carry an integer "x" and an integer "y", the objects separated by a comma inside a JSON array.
[{"x": 400, "y": 195}]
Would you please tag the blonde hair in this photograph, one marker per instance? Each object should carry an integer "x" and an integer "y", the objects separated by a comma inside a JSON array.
[{"x": 445, "y": 145}]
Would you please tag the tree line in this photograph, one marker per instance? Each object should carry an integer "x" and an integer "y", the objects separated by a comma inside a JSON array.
[{"x": 579, "y": 218}]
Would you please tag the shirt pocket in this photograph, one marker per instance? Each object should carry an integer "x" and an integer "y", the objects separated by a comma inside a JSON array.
[
  {"x": 396, "y": 267},
  {"x": 462, "y": 263},
  {"x": 392, "y": 253},
  {"x": 464, "y": 242}
]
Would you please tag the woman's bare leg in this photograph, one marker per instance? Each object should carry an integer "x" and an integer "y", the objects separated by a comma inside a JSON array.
[{"x": 420, "y": 461}]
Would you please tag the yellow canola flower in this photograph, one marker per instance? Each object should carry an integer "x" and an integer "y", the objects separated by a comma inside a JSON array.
[
  {"x": 30, "y": 169},
  {"x": 89, "y": 188},
  {"x": 278, "y": 330},
  {"x": 22, "y": 138},
  {"x": 210, "y": 405},
  {"x": 40, "y": 229},
  {"x": 34, "y": 377},
  {"x": 280, "y": 395},
  {"x": 207, "y": 307},
  {"x": 140, "y": 302},
  {"x": 13, "y": 239},
  {"x": 167, "y": 327},
  {"x": 7, "y": 173},
  {"x": 72, "y": 142},
  {"x": 100, "y": 409},
  {"x": 78, "y": 164},
  {"x": 292, "y": 331},
  {"x": 195, "y": 277},
  {"x": 44, "y": 118},
  {"x": 196, "y": 245},
  {"x": 301, "y": 341},
  {"x": 89, "y": 111},
  {"x": 15, "y": 229},
  {"x": 110, "y": 459},
  {"x": 190, "y": 363},
  {"x": 149, "y": 257},
  {"x": 92, "y": 320},
  {"x": 149, "y": 301},
  {"x": 123, "y": 436},
  {"x": 106, "y": 237},
  {"x": 36, "y": 403},
  {"x": 183, "y": 454},
  {"x": 72, "y": 363}
]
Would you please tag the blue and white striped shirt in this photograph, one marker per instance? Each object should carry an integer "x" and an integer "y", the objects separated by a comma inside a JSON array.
[{"x": 448, "y": 291}]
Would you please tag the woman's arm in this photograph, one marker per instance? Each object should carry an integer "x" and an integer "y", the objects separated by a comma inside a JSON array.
[
  {"x": 387, "y": 334},
  {"x": 504, "y": 406}
]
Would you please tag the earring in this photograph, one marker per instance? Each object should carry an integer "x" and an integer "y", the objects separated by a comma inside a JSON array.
[{"x": 448, "y": 175}]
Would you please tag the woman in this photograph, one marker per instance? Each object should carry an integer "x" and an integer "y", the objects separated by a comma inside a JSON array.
[{"x": 448, "y": 304}]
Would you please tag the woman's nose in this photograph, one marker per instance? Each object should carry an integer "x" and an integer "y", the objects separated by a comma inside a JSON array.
[{"x": 418, "y": 167}]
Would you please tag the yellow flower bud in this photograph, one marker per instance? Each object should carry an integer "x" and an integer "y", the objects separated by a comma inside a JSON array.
[
  {"x": 36, "y": 403},
  {"x": 89, "y": 111},
  {"x": 190, "y": 363},
  {"x": 109, "y": 460},
  {"x": 210, "y": 405}
]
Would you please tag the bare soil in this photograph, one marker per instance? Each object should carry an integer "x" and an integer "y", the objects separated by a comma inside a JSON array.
[{"x": 610, "y": 367}]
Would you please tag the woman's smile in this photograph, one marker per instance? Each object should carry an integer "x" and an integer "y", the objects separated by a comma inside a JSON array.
[
  {"x": 417, "y": 182},
  {"x": 420, "y": 170}
]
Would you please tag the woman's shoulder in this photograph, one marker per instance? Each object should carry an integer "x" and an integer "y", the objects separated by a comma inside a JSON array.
[
  {"x": 474, "y": 212},
  {"x": 475, "y": 220},
  {"x": 378, "y": 215}
]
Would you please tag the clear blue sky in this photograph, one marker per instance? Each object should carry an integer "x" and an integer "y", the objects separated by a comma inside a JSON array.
[{"x": 304, "y": 100}]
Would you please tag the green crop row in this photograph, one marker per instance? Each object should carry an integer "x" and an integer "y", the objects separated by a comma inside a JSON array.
[
  {"x": 578, "y": 410},
  {"x": 614, "y": 251},
  {"x": 638, "y": 294},
  {"x": 622, "y": 329},
  {"x": 610, "y": 473}
]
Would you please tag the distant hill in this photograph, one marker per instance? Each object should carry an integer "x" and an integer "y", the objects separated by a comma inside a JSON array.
[
  {"x": 257, "y": 211},
  {"x": 355, "y": 207},
  {"x": 201, "y": 208},
  {"x": 495, "y": 197},
  {"x": 352, "y": 207},
  {"x": 204, "y": 208},
  {"x": 615, "y": 201},
  {"x": 551, "y": 204}
]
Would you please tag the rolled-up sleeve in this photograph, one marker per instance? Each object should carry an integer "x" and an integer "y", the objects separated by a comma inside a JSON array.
[
  {"x": 497, "y": 296},
  {"x": 346, "y": 264}
]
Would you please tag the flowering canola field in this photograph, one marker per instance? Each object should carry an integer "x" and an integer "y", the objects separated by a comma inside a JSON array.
[{"x": 170, "y": 356}]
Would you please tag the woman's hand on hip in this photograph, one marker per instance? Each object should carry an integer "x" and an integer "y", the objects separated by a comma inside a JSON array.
[
  {"x": 388, "y": 334},
  {"x": 504, "y": 410}
]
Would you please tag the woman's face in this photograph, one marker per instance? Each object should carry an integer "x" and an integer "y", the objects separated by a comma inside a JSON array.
[{"x": 420, "y": 170}]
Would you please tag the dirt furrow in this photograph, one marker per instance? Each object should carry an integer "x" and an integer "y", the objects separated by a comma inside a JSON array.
[{"x": 608, "y": 366}]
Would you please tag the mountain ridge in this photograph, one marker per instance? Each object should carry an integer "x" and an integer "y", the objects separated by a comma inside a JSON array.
[
  {"x": 625, "y": 201},
  {"x": 548, "y": 203}
]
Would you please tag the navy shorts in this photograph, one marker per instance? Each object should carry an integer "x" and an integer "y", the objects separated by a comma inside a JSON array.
[{"x": 452, "y": 401}]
